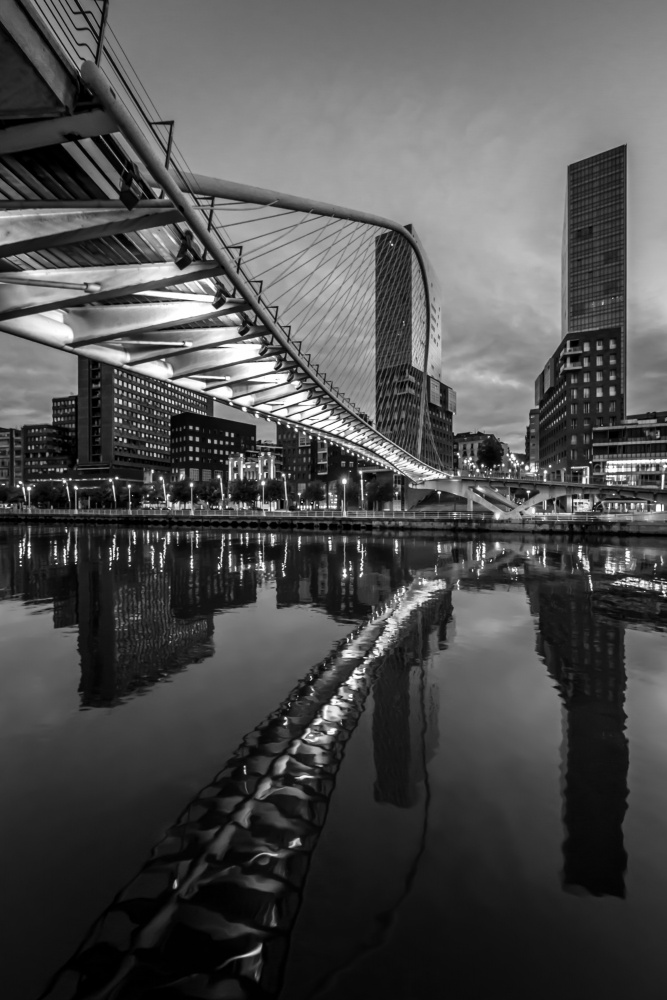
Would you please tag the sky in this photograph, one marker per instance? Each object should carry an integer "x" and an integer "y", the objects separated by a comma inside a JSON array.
[{"x": 459, "y": 116}]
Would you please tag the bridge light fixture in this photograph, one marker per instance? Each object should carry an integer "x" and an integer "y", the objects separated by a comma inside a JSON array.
[
  {"x": 278, "y": 365},
  {"x": 130, "y": 188},
  {"x": 220, "y": 297},
  {"x": 186, "y": 253},
  {"x": 290, "y": 377}
]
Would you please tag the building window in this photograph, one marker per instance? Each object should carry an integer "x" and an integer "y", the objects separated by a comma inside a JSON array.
[
  {"x": 574, "y": 379},
  {"x": 598, "y": 345},
  {"x": 573, "y": 439},
  {"x": 598, "y": 360},
  {"x": 612, "y": 344},
  {"x": 599, "y": 376},
  {"x": 612, "y": 390},
  {"x": 587, "y": 376},
  {"x": 612, "y": 359},
  {"x": 573, "y": 394},
  {"x": 599, "y": 392},
  {"x": 612, "y": 375},
  {"x": 587, "y": 393},
  {"x": 573, "y": 410},
  {"x": 586, "y": 362},
  {"x": 587, "y": 345},
  {"x": 612, "y": 407},
  {"x": 599, "y": 407}
]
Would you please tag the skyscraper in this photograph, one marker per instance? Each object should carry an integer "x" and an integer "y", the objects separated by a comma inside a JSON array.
[
  {"x": 583, "y": 383},
  {"x": 416, "y": 416}
]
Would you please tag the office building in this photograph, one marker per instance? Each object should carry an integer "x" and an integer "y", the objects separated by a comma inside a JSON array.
[
  {"x": 65, "y": 413},
  {"x": 307, "y": 458},
  {"x": 415, "y": 414},
  {"x": 633, "y": 453},
  {"x": 201, "y": 446},
  {"x": 582, "y": 385},
  {"x": 124, "y": 425},
  {"x": 533, "y": 439},
  {"x": 11, "y": 456},
  {"x": 47, "y": 452}
]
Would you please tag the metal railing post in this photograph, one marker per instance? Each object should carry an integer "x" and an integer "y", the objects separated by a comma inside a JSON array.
[{"x": 103, "y": 28}]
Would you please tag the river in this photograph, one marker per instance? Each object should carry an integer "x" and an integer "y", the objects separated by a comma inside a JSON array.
[{"x": 247, "y": 764}]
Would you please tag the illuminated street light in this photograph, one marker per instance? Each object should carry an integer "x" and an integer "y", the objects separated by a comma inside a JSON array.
[
  {"x": 164, "y": 489},
  {"x": 129, "y": 497},
  {"x": 263, "y": 484},
  {"x": 192, "y": 498},
  {"x": 69, "y": 498},
  {"x": 285, "y": 485},
  {"x": 28, "y": 489},
  {"x": 113, "y": 488},
  {"x": 76, "y": 497},
  {"x": 344, "y": 482}
]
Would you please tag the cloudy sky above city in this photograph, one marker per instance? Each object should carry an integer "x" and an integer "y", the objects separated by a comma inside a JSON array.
[{"x": 459, "y": 116}]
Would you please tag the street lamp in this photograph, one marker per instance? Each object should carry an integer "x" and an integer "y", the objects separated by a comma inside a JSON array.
[
  {"x": 438, "y": 492},
  {"x": 113, "y": 490},
  {"x": 192, "y": 498},
  {"x": 76, "y": 497},
  {"x": 164, "y": 489},
  {"x": 361, "y": 488},
  {"x": 344, "y": 482},
  {"x": 129, "y": 497},
  {"x": 263, "y": 484},
  {"x": 285, "y": 485},
  {"x": 69, "y": 499},
  {"x": 28, "y": 489},
  {"x": 221, "y": 491}
]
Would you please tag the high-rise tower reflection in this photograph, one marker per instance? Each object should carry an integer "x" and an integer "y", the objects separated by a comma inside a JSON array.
[{"x": 584, "y": 653}]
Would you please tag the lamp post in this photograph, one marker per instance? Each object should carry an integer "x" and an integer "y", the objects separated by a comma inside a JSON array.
[
  {"x": 438, "y": 492},
  {"x": 361, "y": 489},
  {"x": 221, "y": 492},
  {"x": 192, "y": 498},
  {"x": 113, "y": 490},
  {"x": 164, "y": 489},
  {"x": 28, "y": 489},
  {"x": 76, "y": 498},
  {"x": 285, "y": 485},
  {"x": 129, "y": 497},
  {"x": 263, "y": 484},
  {"x": 69, "y": 499},
  {"x": 22, "y": 485},
  {"x": 344, "y": 482}
]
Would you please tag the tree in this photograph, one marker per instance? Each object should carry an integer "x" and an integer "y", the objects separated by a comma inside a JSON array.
[
  {"x": 314, "y": 492},
  {"x": 490, "y": 453},
  {"x": 10, "y": 494},
  {"x": 379, "y": 491},
  {"x": 48, "y": 495},
  {"x": 274, "y": 490},
  {"x": 245, "y": 490},
  {"x": 180, "y": 491}
]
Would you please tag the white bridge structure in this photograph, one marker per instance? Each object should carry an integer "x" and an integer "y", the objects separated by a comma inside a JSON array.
[{"x": 113, "y": 249}]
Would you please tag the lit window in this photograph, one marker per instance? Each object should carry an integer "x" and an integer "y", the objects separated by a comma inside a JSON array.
[
  {"x": 587, "y": 345},
  {"x": 598, "y": 345},
  {"x": 599, "y": 391},
  {"x": 612, "y": 359},
  {"x": 586, "y": 362},
  {"x": 599, "y": 376},
  {"x": 587, "y": 376},
  {"x": 612, "y": 390},
  {"x": 598, "y": 360},
  {"x": 612, "y": 344}
]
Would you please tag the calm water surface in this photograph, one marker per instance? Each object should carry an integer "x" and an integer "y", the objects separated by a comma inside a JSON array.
[{"x": 267, "y": 765}]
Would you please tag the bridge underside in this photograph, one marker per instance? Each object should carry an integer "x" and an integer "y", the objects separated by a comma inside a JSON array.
[{"x": 111, "y": 251}]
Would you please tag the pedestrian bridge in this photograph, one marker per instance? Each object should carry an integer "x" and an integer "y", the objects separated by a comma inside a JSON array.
[
  {"x": 114, "y": 250},
  {"x": 511, "y": 499}
]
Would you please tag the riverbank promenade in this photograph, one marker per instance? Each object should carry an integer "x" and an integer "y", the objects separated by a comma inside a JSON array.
[{"x": 588, "y": 524}]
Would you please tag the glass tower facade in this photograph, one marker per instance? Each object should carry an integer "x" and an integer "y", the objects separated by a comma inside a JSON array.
[{"x": 583, "y": 383}]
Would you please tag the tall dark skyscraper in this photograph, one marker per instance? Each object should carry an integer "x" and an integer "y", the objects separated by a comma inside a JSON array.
[
  {"x": 583, "y": 383},
  {"x": 416, "y": 417}
]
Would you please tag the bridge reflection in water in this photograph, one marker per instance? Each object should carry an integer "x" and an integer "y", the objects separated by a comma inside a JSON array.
[{"x": 211, "y": 911}]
